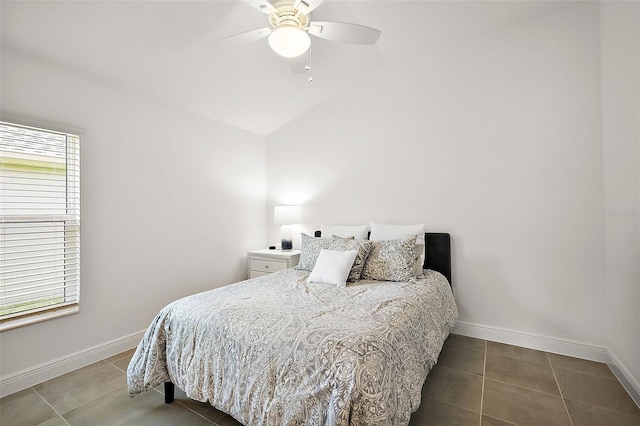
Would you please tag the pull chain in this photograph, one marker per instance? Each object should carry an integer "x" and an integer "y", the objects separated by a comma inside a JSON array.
[{"x": 308, "y": 66}]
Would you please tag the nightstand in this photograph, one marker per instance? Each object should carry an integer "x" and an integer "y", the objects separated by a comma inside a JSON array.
[{"x": 265, "y": 261}]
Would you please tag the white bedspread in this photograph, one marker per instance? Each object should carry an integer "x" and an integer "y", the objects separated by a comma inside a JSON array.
[{"x": 276, "y": 350}]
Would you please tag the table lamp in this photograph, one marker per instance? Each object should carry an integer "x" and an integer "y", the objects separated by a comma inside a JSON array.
[{"x": 286, "y": 216}]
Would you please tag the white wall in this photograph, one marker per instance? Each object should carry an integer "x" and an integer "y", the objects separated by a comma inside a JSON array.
[
  {"x": 493, "y": 136},
  {"x": 620, "y": 29},
  {"x": 171, "y": 202}
]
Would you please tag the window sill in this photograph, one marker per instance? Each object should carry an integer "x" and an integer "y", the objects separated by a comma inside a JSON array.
[{"x": 12, "y": 323}]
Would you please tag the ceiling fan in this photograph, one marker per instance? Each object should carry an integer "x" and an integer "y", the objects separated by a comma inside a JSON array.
[{"x": 290, "y": 26}]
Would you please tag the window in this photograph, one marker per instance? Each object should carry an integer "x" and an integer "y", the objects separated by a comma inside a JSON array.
[{"x": 39, "y": 224}]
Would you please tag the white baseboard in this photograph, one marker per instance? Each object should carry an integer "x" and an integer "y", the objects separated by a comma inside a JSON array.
[
  {"x": 20, "y": 380},
  {"x": 630, "y": 383},
  {"x": 554, "y": 345},
  {"x": 533, "y": 341}
]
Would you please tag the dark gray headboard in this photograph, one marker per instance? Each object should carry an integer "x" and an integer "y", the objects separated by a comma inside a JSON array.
[{"x": 438, "y": 252}]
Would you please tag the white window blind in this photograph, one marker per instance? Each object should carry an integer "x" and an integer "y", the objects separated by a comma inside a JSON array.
[{"x": 39, "y": 224}]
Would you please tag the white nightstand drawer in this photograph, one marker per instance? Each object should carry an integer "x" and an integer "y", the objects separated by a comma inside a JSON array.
[
  {"x": 265, "y": 261},
  {"x": 266, "y": 265}
]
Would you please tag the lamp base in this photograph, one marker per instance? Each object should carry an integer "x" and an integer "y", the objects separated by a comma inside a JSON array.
[
  {"x": 287, "y": 245},
  {"x": 286, "y": 237}
]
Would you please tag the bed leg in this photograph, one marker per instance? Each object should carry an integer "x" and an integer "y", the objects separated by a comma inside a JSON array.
[{"x": 169, "y": 390}]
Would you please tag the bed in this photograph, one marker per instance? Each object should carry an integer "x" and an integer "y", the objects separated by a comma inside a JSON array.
[{"x": 278, "y": 350}]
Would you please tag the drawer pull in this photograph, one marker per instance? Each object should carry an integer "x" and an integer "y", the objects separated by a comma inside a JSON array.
[{"x": 265, "y": 265}]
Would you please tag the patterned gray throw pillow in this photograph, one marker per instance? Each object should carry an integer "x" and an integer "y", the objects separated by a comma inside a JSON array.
[
  {"x": 363, "y": 247},
  {"x": 391, "y": 260},
  {"x": 310, "y": 250}
]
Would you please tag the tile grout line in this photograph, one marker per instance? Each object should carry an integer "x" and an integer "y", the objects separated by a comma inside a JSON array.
[
  {"x": 47, "y": 402},
  {"x": 502, "y": 420},
  {"x": 564, "y": 403},
  {"x": 531, "y": 362},
  {"x": 526, "y": 388},
  {"x": 588, "y": 373},
  {"x": 198, "y": 414},
  {"x": 109, "y": 362},
  {"x": 516, "y": 357},
  {"x": 176, "y": 401},
  {"x": 451, "y": 403},
  {"x": 460, "y": 371},
  {"x": 610, "y": 376},
  {"x": 484, "y": 374}
]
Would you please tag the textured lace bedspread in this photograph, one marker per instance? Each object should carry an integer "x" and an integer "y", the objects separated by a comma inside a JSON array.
[{"x": 276, "y": 350}]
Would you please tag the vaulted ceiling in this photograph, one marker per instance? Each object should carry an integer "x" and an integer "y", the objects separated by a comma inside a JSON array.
[{"x": 170, "y": 51}]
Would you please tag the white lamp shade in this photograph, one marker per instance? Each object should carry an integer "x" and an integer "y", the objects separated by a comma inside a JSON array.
[
  {"x": 289, "y": 41},
  {"x": 286, "y": 215}
]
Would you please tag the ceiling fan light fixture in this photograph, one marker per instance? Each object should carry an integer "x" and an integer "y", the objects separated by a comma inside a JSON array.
[{"x": 289, "y": 41}]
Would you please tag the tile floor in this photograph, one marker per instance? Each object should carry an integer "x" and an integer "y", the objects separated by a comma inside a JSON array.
[{"x": 474, "y": 383}]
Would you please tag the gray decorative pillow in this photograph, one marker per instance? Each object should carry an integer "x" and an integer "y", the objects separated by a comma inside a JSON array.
[
  {"x": 419, "y": 260},
  {"x": 310, "y": 249},
  {"x": 391, "y": 260},
  {"x": 363, "y": 247}
]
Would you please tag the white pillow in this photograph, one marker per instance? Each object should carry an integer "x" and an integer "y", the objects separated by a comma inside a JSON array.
[
  {"x": 359, "y": 232},
  {"x": 380, "y": 232},
  {"x": 332, "y": 267}
]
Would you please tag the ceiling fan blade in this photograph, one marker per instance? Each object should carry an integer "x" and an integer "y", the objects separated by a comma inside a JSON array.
[
  {"x": 307, "y": 5},
  {"x": 248, "y": 36},
  {"x": 262, "y": 5},
  {"x": 344, "y": 32}
]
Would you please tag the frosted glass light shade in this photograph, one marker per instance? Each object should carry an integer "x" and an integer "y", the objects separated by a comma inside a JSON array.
[
  {"x": 289, "y": 41},
  {"x": 286, "y": 215}
]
